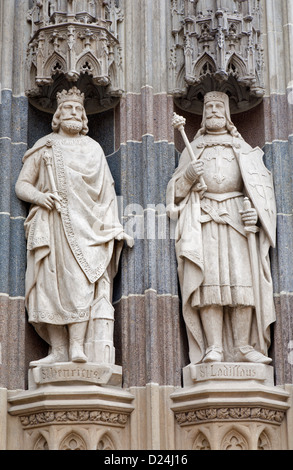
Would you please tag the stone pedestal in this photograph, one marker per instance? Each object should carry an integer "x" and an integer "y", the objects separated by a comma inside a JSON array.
[
  {"x": 71, "y": 417},
  {"x": 72, "y": 406},
  {"x": 225, "y": 406}
]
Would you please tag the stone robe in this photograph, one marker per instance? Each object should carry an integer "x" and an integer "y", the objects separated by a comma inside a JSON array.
[
  {"x": 212, "y": 247},
  {"x": 69, "y": 252}
]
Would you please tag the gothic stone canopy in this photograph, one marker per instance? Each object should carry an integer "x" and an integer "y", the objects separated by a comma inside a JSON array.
[
  {"x": 216, "y": 46},
  {"x": 74, "y": 41}
]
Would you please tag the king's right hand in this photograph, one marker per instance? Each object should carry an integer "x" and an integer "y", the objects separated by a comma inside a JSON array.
[
  {"x": 194, "y": 170},
  {"x": 47, "y": 200}
]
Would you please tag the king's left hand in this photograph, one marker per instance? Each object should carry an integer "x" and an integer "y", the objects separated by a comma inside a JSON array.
[
  {"x": 249, "y": 217},
  {"x": 123, "y": 236}
]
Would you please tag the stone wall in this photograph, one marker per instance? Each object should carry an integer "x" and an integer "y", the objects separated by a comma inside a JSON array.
[{"x": 13, "y": 116}]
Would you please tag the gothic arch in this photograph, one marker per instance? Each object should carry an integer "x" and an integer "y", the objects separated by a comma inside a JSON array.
[
  {"x": 234, "y": 440},
  {"x": 41, "y": 443},
  {"x": 55, "y": 64},
  {"x": 204, "y": 66},
  {"x": 73, "y": 441},
  {"x": 264, "y": 442},
  {"x": 201, "y": 442},
  {"x": 106, "y": 443},
  {"x": 87, "y": 63},
  {"x": 236, "y": 66}
]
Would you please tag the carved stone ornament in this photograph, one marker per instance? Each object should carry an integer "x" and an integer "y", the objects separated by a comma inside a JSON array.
[
  {"x": 74, "y": 417},
  {"x": 216, "y": 46},
  {"x": 74, "y": 42},
  {"x": 230, "y": 414}
]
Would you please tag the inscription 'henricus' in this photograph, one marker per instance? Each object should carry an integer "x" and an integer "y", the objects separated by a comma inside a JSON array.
[
  {"x": 77, "y": 373},
  {"x": 70, "y": 372}
]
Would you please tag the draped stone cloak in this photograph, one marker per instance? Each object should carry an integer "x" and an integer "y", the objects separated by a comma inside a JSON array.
[
  {"x": 68, "y": 252},
  {"x": 197, "y": 263}
]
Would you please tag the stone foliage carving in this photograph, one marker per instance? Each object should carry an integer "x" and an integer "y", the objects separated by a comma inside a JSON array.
[
  {"x": 216, "y": 45},
  {"x": 74, "y": 417},
  {"x": 230, "y": 414},
  {"x": 222, "y": 197},
  {"x": 74, "y": 241},
  {"x": 74, "y": 42}
]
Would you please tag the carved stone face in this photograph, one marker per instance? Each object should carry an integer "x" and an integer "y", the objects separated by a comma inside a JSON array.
[
  {"x": 215, "y": 116},
  {"x": 71, "y": 117}
]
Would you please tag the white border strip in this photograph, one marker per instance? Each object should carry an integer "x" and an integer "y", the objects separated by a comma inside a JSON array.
[
  {"x": 19, "y": 297},
  {"x": 18, "y": 217}
]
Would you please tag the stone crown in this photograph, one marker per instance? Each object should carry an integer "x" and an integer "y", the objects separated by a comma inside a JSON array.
[
  {"x": 216, "y": 96},
  {"x": 74, "y": 94}
]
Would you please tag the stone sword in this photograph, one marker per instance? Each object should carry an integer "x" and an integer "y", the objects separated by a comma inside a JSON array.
[{"x": 251, "y": 231}]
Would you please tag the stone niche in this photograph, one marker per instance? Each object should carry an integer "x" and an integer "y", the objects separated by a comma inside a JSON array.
[
  {"x": 216, "y": 46},
  {"x": 75, "y": 42}
]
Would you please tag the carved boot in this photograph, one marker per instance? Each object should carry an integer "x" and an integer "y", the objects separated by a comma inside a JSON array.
[
  {"x": 213, "y": 354},
  {"x": 241, "y": 324},
  {"x": 249, "y": 354},
  {"x": 76, "y": 342},
  {"x": 59, "y": 346},
  {"x": 212, "y": 321}
]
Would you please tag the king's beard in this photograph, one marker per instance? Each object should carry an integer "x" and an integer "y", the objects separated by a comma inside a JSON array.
[
  {"x": 215, "y": 123},
  {"x": 71, "y": 126}
]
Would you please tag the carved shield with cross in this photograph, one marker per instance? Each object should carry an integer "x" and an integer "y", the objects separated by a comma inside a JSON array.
[{"x": 259, "y": 186}]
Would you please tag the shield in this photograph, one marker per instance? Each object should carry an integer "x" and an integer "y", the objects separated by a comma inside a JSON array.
[{"x": 259, "y": 186}]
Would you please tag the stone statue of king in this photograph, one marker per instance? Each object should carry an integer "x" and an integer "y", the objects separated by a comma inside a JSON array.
[
  {"x": 224, "y": 231},
  {"x": 74, "y": 236}
]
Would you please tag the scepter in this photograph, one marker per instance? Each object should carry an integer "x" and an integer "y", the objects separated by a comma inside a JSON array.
[
  {"x": 178, "y": 122},
  {"x": 48, "y": 161}
]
